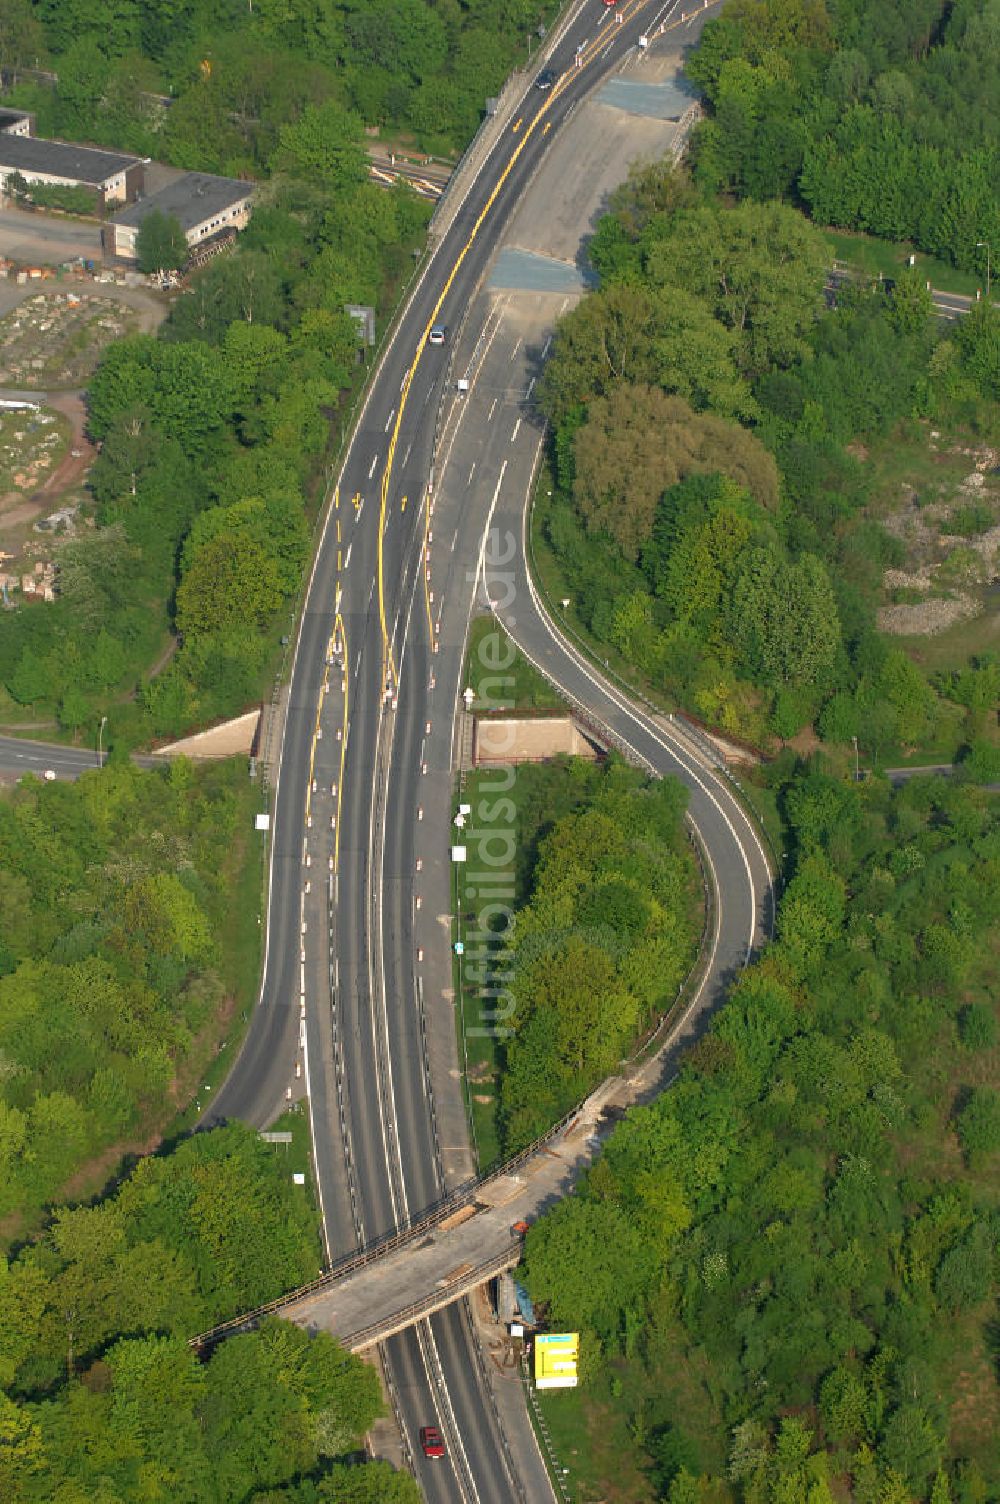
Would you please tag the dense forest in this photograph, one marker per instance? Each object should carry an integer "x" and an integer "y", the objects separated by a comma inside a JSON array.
[
  {"x": 601, "y": 946},
  {"x": 101, "y": 1398},
  {"x": 790, "y": 1261},
  {"x": 872, "y": 117},
  {"x": 210, "y": 84},
  {"x": 121, "y": 956},
  {"x": 710, "y": 512}
]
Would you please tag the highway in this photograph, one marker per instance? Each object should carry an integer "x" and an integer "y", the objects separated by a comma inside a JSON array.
[
  {"x": 357, "y": 970},
  {"x": 358, "y": 893},
  {"x": 339, "y": 970}
]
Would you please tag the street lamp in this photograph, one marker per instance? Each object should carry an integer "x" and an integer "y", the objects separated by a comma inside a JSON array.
[
  {"x": 985, "y": 245},
  {"x": 100, "y": 739},
  {"x": 857, "y": 773}
]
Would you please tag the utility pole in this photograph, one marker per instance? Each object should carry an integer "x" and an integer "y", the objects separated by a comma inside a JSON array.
[{"x": 985, "y": 245}]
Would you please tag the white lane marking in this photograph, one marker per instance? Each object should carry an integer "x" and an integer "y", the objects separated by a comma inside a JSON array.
[
  {"x": 471, "y": 474},
  {"x": 493, "y": 407},
  {"x": 466, "y": 402},
  {"x": 432, "y": 1359},
  {"x": 516, "y": 427},
  {"x": 389, "y": 419},
  {"x": 347, "y": 556},
  {"x": 430, "y": 262},
  {"x": 376, "y": 975},
  {"x": 406, "y": 456},
  {"x": 546, "y": 347},
  {"x": 517, "y": 346},
  {"x": 678, "y": 752},
  {"x": 371, "y": 471},
  {"x": 531, "y": 387}
]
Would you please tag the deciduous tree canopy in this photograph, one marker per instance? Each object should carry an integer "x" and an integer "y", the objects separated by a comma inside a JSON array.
[{"x": 786, "y": 1256}]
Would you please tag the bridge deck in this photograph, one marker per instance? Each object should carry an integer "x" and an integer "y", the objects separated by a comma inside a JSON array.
[{"x": 392, "y": 1291}]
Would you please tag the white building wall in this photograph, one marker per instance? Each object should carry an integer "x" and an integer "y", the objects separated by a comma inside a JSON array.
[
  {"x": 114, "y": 188},
  {"x": 233, "y": 218}
]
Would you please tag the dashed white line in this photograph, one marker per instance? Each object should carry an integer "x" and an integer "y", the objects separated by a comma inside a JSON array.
[
  {"x": 516, "y": 427},
  {"x": 389, "y": 419},
  {"x": 347, "y": 556},
  {"x": 371, "y": 472},
  {"x": 471, "y": 473},
  {"x": 489, "y": 415}
]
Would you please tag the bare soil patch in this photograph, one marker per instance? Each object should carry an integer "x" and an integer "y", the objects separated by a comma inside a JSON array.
[
  {"x": 942, "y": 504},
  {"x": 55, "y": 339}
]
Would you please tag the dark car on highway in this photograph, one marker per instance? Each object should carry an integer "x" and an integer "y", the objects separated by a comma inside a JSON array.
[{"x": 545, "y": 79}]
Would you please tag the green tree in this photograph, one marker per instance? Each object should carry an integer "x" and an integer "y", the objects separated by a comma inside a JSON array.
[
  {"x": 323, "y": 147},
  {"x": 637, "y": 442},
  {"x": 977, "y": 1026},
  {"x": 843, "y": 1403},
  {"x": 911, "y": 1445},
  {"x": 910, "y": 302},
  {"x": 185, "y": 388},
  {"x": 22, "y": 1452},
  {"x": 160, "y": 244},
  {"x": 965, "y": 1275},
  {"x": 22, "y": 40},
  {"x": 783, "y": 619},
  {"x": 759, "y": 268},
  {"x": 231, "y": 581},
  {"x": 978, "y": 339},
  {"x": 978, "y": 1122}
]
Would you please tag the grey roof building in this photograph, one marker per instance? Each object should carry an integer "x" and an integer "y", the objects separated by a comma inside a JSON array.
[
  {"x": 203, "y": 205},
  {"x": 113, "y": 174}
]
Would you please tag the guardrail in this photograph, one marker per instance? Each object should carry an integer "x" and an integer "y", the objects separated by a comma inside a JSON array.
[
  {"x": 461, "y": 1196},
  {"x": 442, "y": 1295}
]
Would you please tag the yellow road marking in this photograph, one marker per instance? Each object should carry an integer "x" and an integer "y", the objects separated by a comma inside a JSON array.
[
  {"x": 339, "y": 626},
  {"x": 547, "y": 127},
  {"x": 339, "y": 561},
  {"x": 403, "y": 507},
  {"x": 390, "y": 674},
  {"x": 336, "y": 499},
  {"x": 517, "y": 124},
  {"x": 427, "y": 565}
]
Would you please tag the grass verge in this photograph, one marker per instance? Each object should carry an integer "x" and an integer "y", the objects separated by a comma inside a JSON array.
[
  {"x": 890, "y": 257},
  {"x": 524, "y": 687}
]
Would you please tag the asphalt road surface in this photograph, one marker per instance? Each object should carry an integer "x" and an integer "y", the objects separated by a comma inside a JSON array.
[
  {"x": 18, "y": 756},
  {"x": 364, "y": 773}
]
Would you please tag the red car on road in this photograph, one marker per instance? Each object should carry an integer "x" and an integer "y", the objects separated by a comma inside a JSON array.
[{"x": 432, "y": 1441}]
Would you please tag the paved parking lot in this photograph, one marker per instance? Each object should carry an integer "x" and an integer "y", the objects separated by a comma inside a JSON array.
[{"x": 47, "y": 239}]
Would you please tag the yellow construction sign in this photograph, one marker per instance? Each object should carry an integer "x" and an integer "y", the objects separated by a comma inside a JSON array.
[{"x": 556, "y": 1355}]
